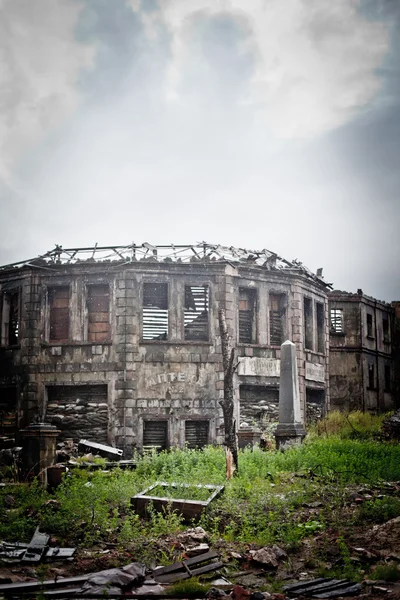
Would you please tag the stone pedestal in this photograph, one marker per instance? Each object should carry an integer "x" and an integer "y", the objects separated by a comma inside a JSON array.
[
  {"x": 38, "y": 450},
  {"x": 290, "y": 430},
  {"x": 248, "y": 436}
]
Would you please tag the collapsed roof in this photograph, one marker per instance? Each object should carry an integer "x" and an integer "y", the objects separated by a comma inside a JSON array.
[{"x": 199, "y": 252}]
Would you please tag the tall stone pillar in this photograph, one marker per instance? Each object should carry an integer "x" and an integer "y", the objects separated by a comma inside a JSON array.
[{"x": 290, "y": 430}]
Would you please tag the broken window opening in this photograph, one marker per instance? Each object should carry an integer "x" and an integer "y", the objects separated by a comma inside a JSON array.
[
  {"x": 320, "y": 328},
  {"x": 388, "y": 377},
  {"x": 10, "y": 319},
  {"x": 59, "y": 314},
  {"x": 155, "y": 435},
  {"x": 371, "y": 376},
  {"x": 98, "y": 311},
  {"x": 247, "y": 316},
  {"x": 155, "y": 311},
  {"x": 337, "y": 320},
  {"x": 277, "y": 317},
  {"x": 385, "y": 328},
  {"x": 370, "y": 333},
  {"x": 196, "y": 312},
  {"x": 308, "y": 324},
  {"x": 8, "y": 411},
  {"x": 196, "y": 434}
]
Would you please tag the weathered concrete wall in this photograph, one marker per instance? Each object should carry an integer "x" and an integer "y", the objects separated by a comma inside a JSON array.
[
  {"x": 360, "y": 353},
  {"x": 171, "y": 380}
]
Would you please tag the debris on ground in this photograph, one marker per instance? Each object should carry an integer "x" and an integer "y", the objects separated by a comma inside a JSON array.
[
  {"x": 185, "y": 570},
  {"x": 323, "y": 588},
  {"x": 391, "y": 426},
  {"x": 35, "y": 552},
  {"x": 268, "y": 557},
  {"x": 100, "y": 449}
]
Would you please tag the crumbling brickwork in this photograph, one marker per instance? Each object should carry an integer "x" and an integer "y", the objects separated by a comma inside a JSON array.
[{"x": 127, "y": 350}]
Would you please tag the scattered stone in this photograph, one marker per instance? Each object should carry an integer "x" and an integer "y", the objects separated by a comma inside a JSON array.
[
  {"x": 236, "y": 555},
  {"x": 196, "y": 550},
  {"x": 265, "y": 556},
  {"x": 239, "y": 593}
]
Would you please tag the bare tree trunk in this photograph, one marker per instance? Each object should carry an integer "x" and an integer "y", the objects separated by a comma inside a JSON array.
[{"x": 228, "y": 359}]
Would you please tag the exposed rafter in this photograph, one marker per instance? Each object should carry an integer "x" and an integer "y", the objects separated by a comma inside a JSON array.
[{"x": 199, "y": 252}]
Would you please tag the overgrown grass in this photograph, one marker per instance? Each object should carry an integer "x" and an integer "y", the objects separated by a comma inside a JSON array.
[
  {"x": 263, "y": 505},
  {"x": 353, "y": 425}
]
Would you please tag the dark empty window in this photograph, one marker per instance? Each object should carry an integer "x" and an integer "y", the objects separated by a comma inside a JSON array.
[
  {"x": 98, "y": 312},
  {"x": 8, "y": 411},
  {"x": 196, "y": 312},
  {"x": 337, "y": 320},
  {"x": 308, "y": 324},
  {"x": 59, "y": 314},
  {"x": 369, "y": 326},
  {"x": 320, "y": 327},
  {"x": 196, "y": 433},
  {"x": 371, "y": 376},
  {"x": 277, "y": 315},
  {"x": 247, "y": 316},
  {"x": 10, "y": 319},
  {"x": 388, "y": 377},
  {"x": 385, "y": 328},
  {"x": 155, "y": 311},
  {"x": 155, "y": 435}
]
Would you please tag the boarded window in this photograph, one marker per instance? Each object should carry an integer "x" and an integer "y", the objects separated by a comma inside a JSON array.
[
  {"x": 79, "y": 411},
  {"x": 370, "y": 332},
  {"x": 337, "y": 320},
  {"x": 155, "y": 435},
  {"x": 247, "y": 316},
  {"x": 10, "y": 319},
  {"x": 196, "y": 312},
  {"x": 308, "y": 324},
  {"x": 277, "y": 316},
  {"x": 388, "y": 377},
  {"x": 371, "y": 376},
  {"x": 155, "y": 311},
  {"x": 385, "y": 328},
  {"x": 320, "y": 328},
  {"x": 59, "y": 314},
  {"x": 8, "y": 411},
  {"x": 98, "y": 309},
  {"x": 196, "y": 433},
  {"x": 259, "y": 404}
]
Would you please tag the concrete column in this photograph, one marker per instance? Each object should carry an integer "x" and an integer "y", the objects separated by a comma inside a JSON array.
[{"x": 290, "y": 430}]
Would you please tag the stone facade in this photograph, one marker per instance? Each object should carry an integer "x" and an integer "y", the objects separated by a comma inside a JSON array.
[
  {"x": 361, "y": 352},
  {"x": 128, "y": 351}
]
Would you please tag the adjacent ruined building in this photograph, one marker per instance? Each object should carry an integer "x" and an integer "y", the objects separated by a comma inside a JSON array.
[
  {"x": 363, "y": 363},
  {"x": 122, "y": 345}
]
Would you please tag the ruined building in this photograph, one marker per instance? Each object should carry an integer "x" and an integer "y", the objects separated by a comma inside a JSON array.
[
  {"x": 362, "y": 353},
  {"x": 122, "y": 345}
]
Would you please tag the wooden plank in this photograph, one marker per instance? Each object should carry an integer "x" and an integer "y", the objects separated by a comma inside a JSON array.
[
  {"x": 189, "y": 562},
  {"x": 172, "y": 577}
]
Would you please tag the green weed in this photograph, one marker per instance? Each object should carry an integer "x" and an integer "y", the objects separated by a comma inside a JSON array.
[{"x": 386, "y": 572}]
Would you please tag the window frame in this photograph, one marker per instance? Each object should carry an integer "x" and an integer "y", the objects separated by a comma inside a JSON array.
[
  {"x": 309, "y": 301},
  {"x": 332, "y": 328},
  {"x": 370, "y": 326},
  {"x": 144, "y": 340},
  {"x": 49, "y": 290},
  {"x": 254, "y": 326},
  {"x": 5, "y": 307},
  {"x": 196, "y": 285},
  {"x": 283, "y": 305},
  {"x": 88, "y": 285}
]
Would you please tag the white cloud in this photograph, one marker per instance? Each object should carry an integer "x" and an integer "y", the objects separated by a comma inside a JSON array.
[
  {"x": 315, "y": 60},
  {"x": 39, "y": 65}
]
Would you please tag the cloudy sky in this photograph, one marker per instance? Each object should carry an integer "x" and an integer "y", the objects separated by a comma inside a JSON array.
[{"x": 255, "y": 123}]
